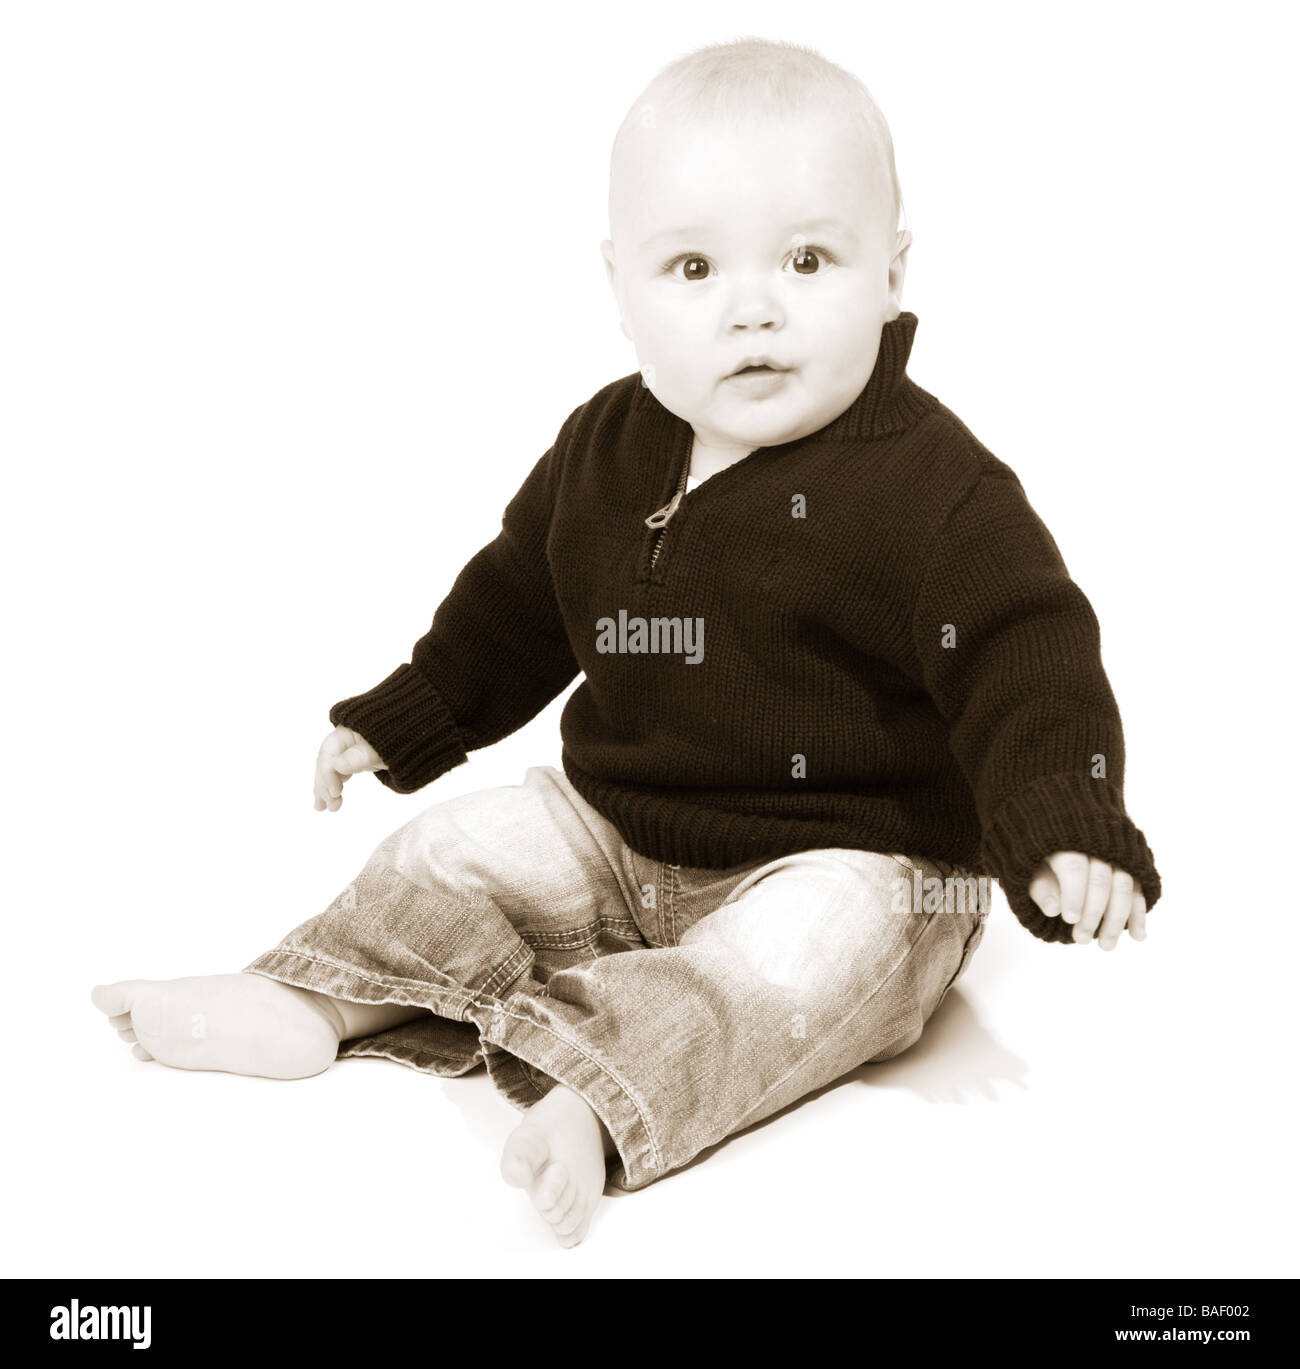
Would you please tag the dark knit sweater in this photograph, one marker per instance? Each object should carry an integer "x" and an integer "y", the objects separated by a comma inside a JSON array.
[{"x": 907, "y": 667}]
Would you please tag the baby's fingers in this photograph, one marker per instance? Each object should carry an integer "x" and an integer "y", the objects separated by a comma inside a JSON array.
[
  {"x": 1071, "y": 870},
  {"x": 329, "y": 784},
  {"x": 1096, "y": 899},
  {"x": 1045, "y": 890},
  {"x": 328, "y": 797},
  {"x": 1117, "y": 910},
  {"x": 1137, "y": 918},
  {"x": 354, "y": 759}
]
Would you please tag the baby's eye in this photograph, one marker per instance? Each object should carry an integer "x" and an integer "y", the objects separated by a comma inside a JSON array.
[
  {"x": 697, "y": 268},
  {"x": 808, "y": 261}
]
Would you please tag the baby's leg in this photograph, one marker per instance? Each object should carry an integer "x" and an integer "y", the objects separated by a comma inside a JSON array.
[
  {"x": 240, "y": 1023},
  {"x": 770, "y": 980}
]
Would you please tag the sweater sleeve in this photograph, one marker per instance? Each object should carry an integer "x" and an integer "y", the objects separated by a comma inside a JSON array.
[
  {"x": 495, "y": 655},
  {"x": 1010, "y": 652}
]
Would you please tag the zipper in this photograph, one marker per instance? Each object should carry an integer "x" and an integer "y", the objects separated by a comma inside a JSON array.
[{"x": 659, "y": 519}]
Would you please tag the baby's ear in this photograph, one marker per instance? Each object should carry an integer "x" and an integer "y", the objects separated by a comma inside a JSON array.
[
  {"x": 611, "y": 274},
  {"x": 898, "y": 265}
]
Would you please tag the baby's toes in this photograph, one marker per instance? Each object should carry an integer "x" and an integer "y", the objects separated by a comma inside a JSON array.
[
  {"x": 113, "y": 1000},
  {"x": 551, "y": 1189},
  {"x": 524, "y": 1157},
  {"x": 124, "y": 1027},
  {"x": 572, "y": 1218},
  {"x": 568, "y": 1239},
  {"x": 564, "y": 1208},
  {"x": 140, "y": 1053}
]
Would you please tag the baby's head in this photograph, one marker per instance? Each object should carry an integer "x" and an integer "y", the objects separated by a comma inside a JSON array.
[{"x": 753, "y": 211}]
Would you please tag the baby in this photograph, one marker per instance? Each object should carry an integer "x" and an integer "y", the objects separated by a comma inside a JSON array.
[{"x": 764, "y": 861}]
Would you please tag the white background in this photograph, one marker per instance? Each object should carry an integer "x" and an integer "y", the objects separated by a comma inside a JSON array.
[{"x": 293, "y": 297}]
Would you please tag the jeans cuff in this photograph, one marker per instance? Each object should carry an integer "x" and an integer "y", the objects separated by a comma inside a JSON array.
[{"x": 640, "y": 1160}]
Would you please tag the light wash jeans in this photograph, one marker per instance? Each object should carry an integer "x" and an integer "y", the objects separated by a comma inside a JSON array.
[{"x": 683, "y": 1004}]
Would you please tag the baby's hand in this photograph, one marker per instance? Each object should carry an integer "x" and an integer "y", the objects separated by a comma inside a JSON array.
[
  {"x": 1081, "y": 888},
  {"x": 343, "y": 753}
]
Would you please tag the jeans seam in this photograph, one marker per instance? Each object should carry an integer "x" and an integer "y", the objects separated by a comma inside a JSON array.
[
  {"x": 673, "y": 890},
  {"x": 453, "y": 988},
  {"x": 418, "y": 1050},
  {"x": 966, "y": 953},
  {"x": 500, "y": 976},
  {"x": 634, "y": 892},
  {"x": 579, "y": 936},
  {"x": 398, "y": 1059}
]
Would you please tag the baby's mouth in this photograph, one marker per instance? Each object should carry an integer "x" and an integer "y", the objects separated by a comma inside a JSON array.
[{"x": 759, "y": 369}]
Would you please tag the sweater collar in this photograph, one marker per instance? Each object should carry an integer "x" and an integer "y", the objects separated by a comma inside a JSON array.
[{"x": 888, "y": 402}]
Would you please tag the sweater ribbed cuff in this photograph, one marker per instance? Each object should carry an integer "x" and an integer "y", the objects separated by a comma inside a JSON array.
[
  {"x": 406, "y": 720},
  {"x": 1063, "y": 813}
]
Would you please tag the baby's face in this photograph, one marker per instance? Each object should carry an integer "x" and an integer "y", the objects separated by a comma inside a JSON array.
[{"x": 772, "y": 242}]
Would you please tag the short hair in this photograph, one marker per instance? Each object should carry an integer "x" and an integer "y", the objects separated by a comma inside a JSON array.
[{"x": 748, "y": 76}]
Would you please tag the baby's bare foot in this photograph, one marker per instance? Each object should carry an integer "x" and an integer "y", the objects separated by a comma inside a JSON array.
[
  {"x": 558, "y": 1154},
  {"x": 241, "y": 1023}
]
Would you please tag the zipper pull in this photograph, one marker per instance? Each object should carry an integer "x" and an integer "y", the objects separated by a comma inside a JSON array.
[{"x": 660, "y": 518}]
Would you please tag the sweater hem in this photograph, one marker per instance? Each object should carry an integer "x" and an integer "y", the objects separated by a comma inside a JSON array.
[{"x": 668, "y": 827}]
